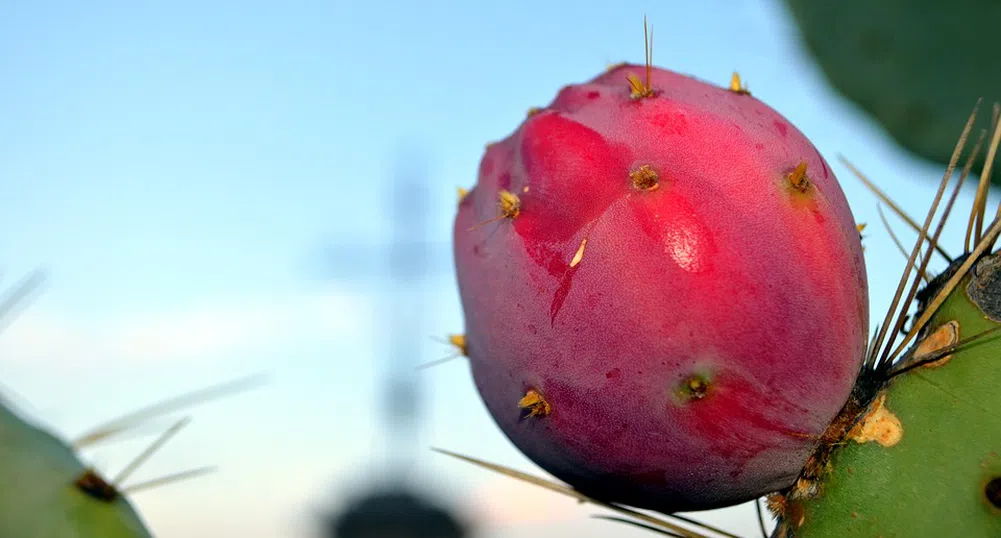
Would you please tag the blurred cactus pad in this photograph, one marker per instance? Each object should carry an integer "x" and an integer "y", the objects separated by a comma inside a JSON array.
[
  {"x": 912, "y": 65},
  {"x": 49, "y": 492}
]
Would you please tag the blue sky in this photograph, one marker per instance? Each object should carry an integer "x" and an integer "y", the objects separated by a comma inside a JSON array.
[{"x": 182, "y": 168}]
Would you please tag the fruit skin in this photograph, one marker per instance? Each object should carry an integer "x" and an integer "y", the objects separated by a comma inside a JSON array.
[{"x": 693, "y": 351}]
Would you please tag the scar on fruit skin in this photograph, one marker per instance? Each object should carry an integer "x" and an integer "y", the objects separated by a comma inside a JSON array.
[
  {"x": 946, "y": 334},
  {"x": 736, "y": 86},
  {"x": 797, "y": 179},
  {"x": 579, "y": 255},
  {"x": 645, "y": 178},
  {"x": 533, "y": 404},
  {"x": 879, "y": 425}
]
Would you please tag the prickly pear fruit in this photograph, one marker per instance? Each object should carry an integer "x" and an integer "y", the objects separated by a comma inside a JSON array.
[{"x": 664, "y": 291}]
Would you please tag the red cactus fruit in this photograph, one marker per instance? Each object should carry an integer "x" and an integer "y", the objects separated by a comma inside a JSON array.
[{"x": 664, "y": 291}]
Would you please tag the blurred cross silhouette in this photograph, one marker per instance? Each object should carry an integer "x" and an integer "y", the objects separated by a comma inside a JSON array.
[
  {"x": 407, "y": 268},
  {"x": 395, "y": 509}
]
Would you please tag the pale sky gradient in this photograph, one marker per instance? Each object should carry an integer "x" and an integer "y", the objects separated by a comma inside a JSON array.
[{"x": 181, "y": 169}]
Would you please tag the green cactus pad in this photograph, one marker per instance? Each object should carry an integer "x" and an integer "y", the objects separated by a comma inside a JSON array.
[
  {"x": 937, "y": 479},
  {"x": 913, "y": 65},
  {"x": 41, "y": 498}
]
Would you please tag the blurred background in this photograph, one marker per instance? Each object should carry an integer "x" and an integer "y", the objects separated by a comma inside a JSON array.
[{"x": 225, "y": 188}]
